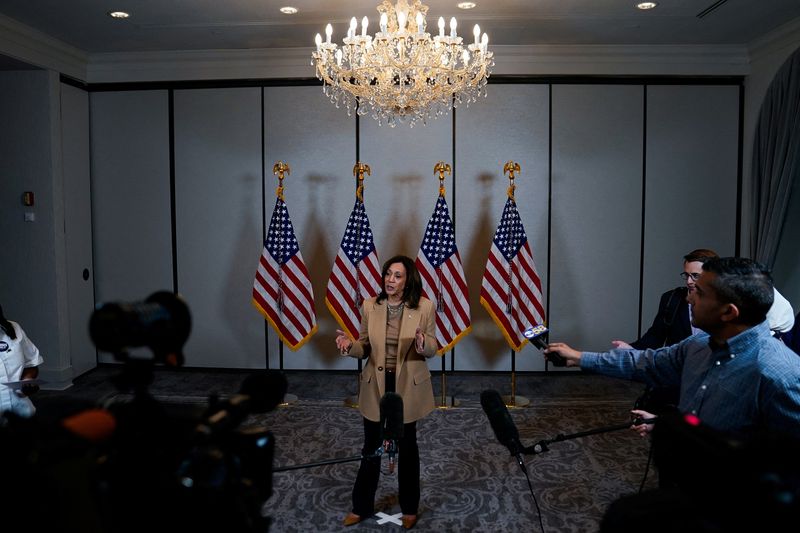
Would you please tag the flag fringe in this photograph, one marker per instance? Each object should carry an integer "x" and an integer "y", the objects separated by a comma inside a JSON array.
[
  {"x": 502, "y": 328},
  {"x": 284, "y": 340},
  {"x": 454, "y": 341}
]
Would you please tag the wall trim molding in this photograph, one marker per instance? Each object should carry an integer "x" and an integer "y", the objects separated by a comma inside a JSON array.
[
  {"x": 32, "y": 46},
  {"x": 784, "y": 36},
  {"x": 612, "y": 60},
  {"x": 39, "y": 49}
]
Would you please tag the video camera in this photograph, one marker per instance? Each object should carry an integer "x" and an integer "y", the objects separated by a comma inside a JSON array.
[{"x": 135, "y": 462}]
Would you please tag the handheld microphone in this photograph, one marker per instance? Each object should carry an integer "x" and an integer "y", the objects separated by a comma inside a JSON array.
[
  {"x": 162, "y": 322},
  {"x": 503, "y": 426},
  {"x": 538, "y": 337},
  {"x": 260, "y": 392},
  {"x": 391, "y": 424}
]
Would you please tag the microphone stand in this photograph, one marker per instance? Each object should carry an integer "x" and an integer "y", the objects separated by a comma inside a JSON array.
[
  {"x": 376, "y": 453},
  {"x": 544, "y": 444}
]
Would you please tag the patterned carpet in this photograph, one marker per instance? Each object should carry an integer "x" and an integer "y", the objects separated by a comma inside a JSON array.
[{"x": 469, "y": 481}]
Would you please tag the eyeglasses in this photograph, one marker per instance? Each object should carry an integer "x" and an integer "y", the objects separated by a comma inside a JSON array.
[{"x": 686, "y": 275}]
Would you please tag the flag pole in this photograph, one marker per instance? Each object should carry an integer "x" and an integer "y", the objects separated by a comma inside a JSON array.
[
  {"x": 513, "y": 400},
  {"x": 280, "y": 168},
  {"x": 358, "y": 173},
  {"x": 445, "y": 402}
]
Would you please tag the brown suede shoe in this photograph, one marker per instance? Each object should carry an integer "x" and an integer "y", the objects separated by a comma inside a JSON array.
[
  {"x": 409, "y": 521},
  {"x": 351, "y": 519}
]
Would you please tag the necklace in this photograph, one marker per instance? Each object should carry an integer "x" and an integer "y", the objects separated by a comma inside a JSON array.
[{"x": 395, "y": 310}]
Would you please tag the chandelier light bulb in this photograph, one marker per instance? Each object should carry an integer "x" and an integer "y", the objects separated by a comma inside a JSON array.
[
  {"x": 328, "y": 33},
  {"x": 318, "y": 41},
  {"x": 453, "y": 25},
  {"x": 353, "y": 25},
  {"x": 441, "y": 26},
  {"x": 384, "y": 23},
  {"x": 401, "y": 20},
  {"x": 420, "y": 23},
  {"x": 476, "y": 31},
  {"x": 364, "y": 24}
]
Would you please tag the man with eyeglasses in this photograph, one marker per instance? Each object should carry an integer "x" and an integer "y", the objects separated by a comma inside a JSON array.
[
  {"x": 673, "y": 322},
  {"x": 733, "y": 375}
]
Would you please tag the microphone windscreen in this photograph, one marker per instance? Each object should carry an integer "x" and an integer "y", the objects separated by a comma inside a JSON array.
[
  {"x": 392, "y": 416},
  {"x": 94, "y": 425},
  {"x": 265, "y": 390},
  {"x": 503, "y": 426}
]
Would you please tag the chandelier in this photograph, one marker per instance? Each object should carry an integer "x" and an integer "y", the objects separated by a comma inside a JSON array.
[{"x": 402, "y": 74}]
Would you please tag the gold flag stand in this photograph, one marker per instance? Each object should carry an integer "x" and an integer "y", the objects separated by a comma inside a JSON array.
[
  {"x": 513, "y": 400},
  {"x": 280, "y": 168},
  {"x": 445, "y": 401},
  {"x": 358, "y": 172}
]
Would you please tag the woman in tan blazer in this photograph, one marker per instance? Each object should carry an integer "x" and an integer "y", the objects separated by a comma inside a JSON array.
[{"x": 397, "y": 335}]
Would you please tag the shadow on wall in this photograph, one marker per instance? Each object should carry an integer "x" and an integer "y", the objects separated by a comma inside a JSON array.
[
  {"x": 490, "y": 341},
  {"x": 319, "y": 263},
  {"x": 241, "y": 269}
]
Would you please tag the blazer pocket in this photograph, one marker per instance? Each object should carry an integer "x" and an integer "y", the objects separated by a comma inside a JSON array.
[{"x": 422, "y": 377}]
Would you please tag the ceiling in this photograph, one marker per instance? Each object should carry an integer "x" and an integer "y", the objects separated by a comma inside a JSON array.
[{"x": 161, "y": 25}]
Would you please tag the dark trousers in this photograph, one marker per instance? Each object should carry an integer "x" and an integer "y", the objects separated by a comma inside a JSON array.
[{"x": 369, "y": 472}]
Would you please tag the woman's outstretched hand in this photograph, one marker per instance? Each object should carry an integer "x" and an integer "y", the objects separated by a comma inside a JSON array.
[{"x": 343, "y": 342}]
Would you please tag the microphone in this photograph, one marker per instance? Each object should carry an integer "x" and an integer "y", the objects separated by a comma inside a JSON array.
[
  {"x": 162, "y": 322},
  {"x": 538, "y": 337},
  {"x": 391, "y": 424},
  {"x": 503, "y": 426},
  {"x": 260, "y": 392}
]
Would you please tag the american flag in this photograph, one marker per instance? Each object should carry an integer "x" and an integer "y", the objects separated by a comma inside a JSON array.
[
  {"x": 511, "y": 291},
  {"x": 282, "y": 289},
  {"x": 356, "y": 274},
  {"x": 443, "y": 281}
]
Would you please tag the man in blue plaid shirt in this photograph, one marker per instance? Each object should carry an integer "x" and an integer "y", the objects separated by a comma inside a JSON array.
[{"x": 733, "y": 376}]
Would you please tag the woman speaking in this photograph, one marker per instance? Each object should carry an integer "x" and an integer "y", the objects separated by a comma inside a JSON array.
[{"x": 397, "y": 335}]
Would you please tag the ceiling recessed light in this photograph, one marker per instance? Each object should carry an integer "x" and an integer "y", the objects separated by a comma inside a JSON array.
[
  {"x": 288, "y": 10},
  {"x": 466, "y": 5},
  {"x": 118, "y": 14},
  {"x": 646, "y": 5}
]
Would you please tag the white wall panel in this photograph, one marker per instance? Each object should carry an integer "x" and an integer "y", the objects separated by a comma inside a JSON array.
[
  {"x": 319, "y": 143},
  {"x": 131, "y": 195},
  {"x": 692, "y": 150},
  {"x": 596, "y": 213},
  {"x": 218, "y": 222},
  {"x": 510, "y": 124}
]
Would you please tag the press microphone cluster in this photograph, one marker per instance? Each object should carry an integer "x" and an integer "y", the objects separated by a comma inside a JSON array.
[{"x": 391, "y": 408}]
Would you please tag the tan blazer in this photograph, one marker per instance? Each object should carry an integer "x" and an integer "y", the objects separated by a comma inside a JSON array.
[{"x": 413, "y": 379}]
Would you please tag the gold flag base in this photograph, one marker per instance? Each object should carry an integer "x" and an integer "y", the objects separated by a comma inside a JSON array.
[
  {"x": 351, "y": 401},
  {"x": 448, "y": 403},
  {"x": 516, "y": 401},
  {"x": 288, "y": 399}
]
